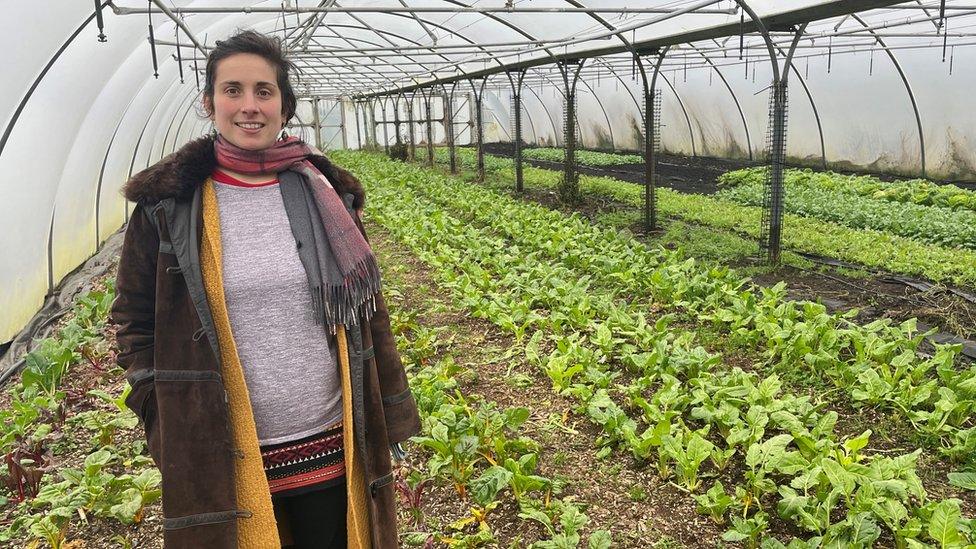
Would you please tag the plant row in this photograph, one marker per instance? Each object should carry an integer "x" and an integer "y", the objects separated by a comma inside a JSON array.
[
  {"x": 45, "y": 422},
  {"x": 866, "y": 247},
  {"x": 474, "y": 446},
  {"x": 587, "y": 158},
  {"x": 912, "y": 191},
  {"x": 934, "y": 225},
  {"x": 657, "y": 394}
]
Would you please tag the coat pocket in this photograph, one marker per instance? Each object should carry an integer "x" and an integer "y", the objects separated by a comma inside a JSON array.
[
  {"x": 196, "y": 444},
  {"x": 402, "y": 419},
  {"x": 142, "y": 401}
]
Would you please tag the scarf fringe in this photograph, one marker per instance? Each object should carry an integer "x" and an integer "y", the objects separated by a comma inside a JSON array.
[
  {"x": 339, "y": 298},
  {"x": 345, "y": 303}
]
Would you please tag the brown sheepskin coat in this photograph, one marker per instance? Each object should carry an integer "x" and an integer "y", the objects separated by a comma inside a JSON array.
[{"x": 169, "y": 348}]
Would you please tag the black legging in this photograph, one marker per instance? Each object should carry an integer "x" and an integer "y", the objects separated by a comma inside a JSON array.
[{"x": 317, "y": 519}]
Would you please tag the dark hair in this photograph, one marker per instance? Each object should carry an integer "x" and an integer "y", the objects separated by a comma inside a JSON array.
[{"x": 269, "y": 48}]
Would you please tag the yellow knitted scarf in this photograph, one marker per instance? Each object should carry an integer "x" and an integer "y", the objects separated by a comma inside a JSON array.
[{"x": 253, "y": 493}]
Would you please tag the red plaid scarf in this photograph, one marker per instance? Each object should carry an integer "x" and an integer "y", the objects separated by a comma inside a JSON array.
[{"x": 356, "y": 280}]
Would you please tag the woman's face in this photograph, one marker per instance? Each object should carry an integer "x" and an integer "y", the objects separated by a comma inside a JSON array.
[{"x": 247, "y": 102}]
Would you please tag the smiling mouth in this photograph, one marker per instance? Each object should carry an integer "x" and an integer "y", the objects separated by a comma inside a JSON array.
[{"x": 249, "y": 125}]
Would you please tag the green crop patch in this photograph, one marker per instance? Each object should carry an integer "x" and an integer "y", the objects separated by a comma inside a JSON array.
[{"x": 596, "y": 310}]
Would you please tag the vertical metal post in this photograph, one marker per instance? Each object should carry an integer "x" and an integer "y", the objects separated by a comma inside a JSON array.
[
  {"x": 449, "y": 126},
  {"x": 366, "y": 135},
  {"x": 772, "y": 223},
  {"x": 650, "y": 162},
  {"x": 413, "y": 136},
  {"x": 101, "y": 22},
  {"x": 355, "y": 115},
  {"x": 428, "y": 96},
  {"x": 771, "y": 229},
  {"x": 372, "y": 122},
  {"x": 317, "y": 123},
  {"x": 652, "y": 121},
  {"x": 396, "y": 119},
  {"x": 517, "y": 126},
  {"x": 342, "y": 124},
  {"x": 179, "y": 50},
  {"x": 386, "y": 132},
  {"x": 569, "y": 189},
  {"x": 152, "y": 43},
  {"x": 479, "y": 92}
]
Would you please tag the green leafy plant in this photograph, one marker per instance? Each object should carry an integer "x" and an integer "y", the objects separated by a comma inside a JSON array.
[{"x": 714, "y": 502}]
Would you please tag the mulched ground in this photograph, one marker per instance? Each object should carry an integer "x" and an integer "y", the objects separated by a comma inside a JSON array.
[
  {"x": 875, "y": 295},
  {"x": 686, "y": 173},
  {"x": 619, "y": 495},
  {"x": 73, "y": 444},
  {"x": 681, "y": 173}
]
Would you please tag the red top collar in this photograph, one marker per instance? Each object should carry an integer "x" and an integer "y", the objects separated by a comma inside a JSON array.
[{"x": 222, "y": 177}]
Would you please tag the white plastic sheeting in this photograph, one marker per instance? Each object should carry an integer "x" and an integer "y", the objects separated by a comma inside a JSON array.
[
  {"x": 78, "y": 123},
  {"x": 867, "y": 119}
]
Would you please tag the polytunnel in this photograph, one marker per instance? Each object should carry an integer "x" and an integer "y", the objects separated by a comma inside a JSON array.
[{"x": 790, "y": 183}]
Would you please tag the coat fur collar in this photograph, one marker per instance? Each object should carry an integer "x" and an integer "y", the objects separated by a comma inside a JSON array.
[{"x": 180, "y": 173}]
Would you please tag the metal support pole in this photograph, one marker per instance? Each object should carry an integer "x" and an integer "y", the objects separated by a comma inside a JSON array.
[
  {"x": 569, "y": 189},
  {"x": 516, "y": 83},
  {"x": 773, "y": 197},
  {"x": 479, "y": 93},
  {"x": 413, "y": 132},
  {"x": 317, "y": 123},
  {"x": 386, "y": 132},
  {"x": 652, "y": 138},
  {"x": 342, "y": 124},
  {"x": 355, "y": 115},
  {"x": 428, "y": 96},
  {"x": 372, "y": 122},
  {"x": 771, "y": 230},
  {"x": 650, "y": 160},
  {"x": 366, "y": 135},
  {"x": 396, "y": 119},
  {"x": 449, "y": 126},
  {"x": 772, "y": 221}
]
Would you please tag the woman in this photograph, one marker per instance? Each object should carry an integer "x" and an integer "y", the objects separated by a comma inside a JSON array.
[{"x": 253, "y": 332}]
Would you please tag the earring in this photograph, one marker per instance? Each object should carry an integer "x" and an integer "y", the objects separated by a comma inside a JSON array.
[
  {"x": 283, "y": 136},
  {"x": 213, "y": 130}
]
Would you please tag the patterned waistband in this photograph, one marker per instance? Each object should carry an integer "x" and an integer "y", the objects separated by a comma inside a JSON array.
[{"x": 311, "y": 463}]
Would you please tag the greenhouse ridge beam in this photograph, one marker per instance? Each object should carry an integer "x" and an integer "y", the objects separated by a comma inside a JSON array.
[
  {"x": 420, "y": 9},
  {"x": 416, "y": 73},
  {"x": 835, "y": 8}
]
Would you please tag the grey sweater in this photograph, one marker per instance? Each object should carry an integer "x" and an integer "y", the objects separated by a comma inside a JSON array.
[{"x": 289, "y": 367}]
